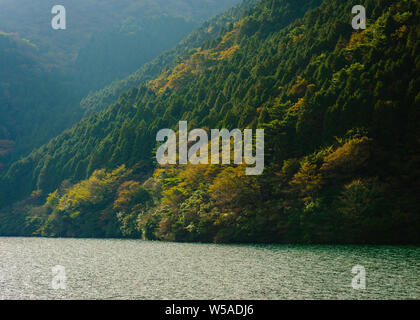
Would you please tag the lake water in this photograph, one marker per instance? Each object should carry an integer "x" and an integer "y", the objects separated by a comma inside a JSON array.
[{"x": 134, "y": 269}]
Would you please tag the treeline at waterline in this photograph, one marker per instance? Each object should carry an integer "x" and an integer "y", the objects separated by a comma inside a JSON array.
[{"x": 340, "y": 112}]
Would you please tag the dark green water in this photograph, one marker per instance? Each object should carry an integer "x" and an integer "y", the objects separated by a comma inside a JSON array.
[{"x": 134, "y": 269}]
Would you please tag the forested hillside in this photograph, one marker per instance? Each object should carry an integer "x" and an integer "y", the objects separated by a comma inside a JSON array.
[
  {"x": 32, "y": 19},
  {"x": 33, "y": 93},
  {"x": 208, "y": 31},
  {"x": 45, "y": 73},
  {"x": 115, "y": 54},
  {"x": 340, "y": 109}
]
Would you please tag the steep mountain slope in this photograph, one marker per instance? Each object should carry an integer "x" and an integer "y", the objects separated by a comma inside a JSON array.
[
  {"x": 340, "y": 112},
  {"x": 44, "y": 78},
  {"x": 104, "y": 128},
  {"x": 115, "y": 54},
  {"x": 208, "y": 31},
  {"x": 32, "y": 19},
  {"x": 30, "y": 87}
]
